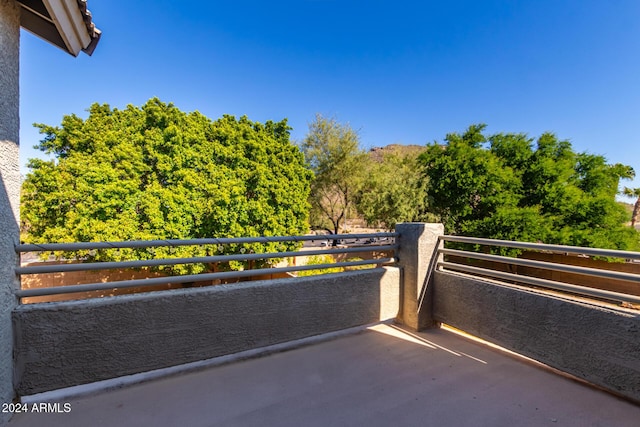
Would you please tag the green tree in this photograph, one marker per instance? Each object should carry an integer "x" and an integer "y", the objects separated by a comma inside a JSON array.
[
  {"x": 332, "y": 151},
  {"x": 156, "y": 172},
  {"x": 500, "y": 186},
  {"x": 394, "y": 191},
  {"x": 635, "y": 193},
  {"x": 467, "y": 183}
]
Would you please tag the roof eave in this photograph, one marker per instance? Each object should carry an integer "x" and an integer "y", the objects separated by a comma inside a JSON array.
[
  {"x": 63, "y": 23},
  {"x": 93, "y": 43},
  {"x": 68, "y": 20}
]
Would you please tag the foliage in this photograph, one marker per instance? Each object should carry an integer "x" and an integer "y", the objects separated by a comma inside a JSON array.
[
  {"x": 156, "y": 172},
  {"x": 394, "y": 191},
  {"x": 320, "y": 260},
  {"x": 332, "y": 152},
  {"x": 501, "y": 187}
]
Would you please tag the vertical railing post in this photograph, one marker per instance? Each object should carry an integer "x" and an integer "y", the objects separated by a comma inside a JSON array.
[{"x": 418, "y": 245}]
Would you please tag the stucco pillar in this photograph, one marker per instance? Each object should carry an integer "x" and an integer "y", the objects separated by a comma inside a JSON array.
[
  {"x": 418, "y": 245},
  {"x": 9, "y": 187}
]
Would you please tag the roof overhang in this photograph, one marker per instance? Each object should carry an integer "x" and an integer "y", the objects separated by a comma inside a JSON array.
[{"x": 63, "y": 23}]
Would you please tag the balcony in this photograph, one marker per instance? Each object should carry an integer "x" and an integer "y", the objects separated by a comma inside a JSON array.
[
  {"x": 325, "y": 350},
  {"x": 376, "y": 376}
]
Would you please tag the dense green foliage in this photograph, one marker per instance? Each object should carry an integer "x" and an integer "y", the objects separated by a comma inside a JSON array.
[
  {"x": 501, "y": 187},
  {"x": 393, "y": 191},
  {"x": 156, "y": 172},
  {"x": 383, "y": 187}
]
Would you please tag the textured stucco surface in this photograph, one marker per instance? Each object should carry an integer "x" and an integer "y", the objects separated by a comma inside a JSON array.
[
  {"x": 595, "y": 343},
  {"x": 77, "y": 342},
  {"x": 9, "y": 185},
  {"x": 418, "y": 242},
  {"x": 381, "y": 377},
  {"x": 9, "y": 64}
]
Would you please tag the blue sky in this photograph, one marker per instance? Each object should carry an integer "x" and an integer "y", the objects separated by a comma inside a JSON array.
[{"x": 405, "y": 72}]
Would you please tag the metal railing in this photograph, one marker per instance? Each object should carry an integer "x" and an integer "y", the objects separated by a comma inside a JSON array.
[
  {"x": 189, "y": 278},
  {"x": 451, "y": 264}
]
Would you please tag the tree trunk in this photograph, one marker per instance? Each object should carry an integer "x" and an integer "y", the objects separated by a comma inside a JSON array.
[
  {"x": 336, "y": 227},
  {"x": 636, "y": 213}
]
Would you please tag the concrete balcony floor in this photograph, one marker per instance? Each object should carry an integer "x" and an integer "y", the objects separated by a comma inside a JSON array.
[{"x": 381, "y": 376}]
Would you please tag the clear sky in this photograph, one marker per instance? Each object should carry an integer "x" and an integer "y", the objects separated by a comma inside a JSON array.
[{"x": 405, "y": 72}]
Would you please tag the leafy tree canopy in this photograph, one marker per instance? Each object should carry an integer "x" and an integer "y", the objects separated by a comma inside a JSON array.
[
  {"x": 156, "y": 172},
  {"x": 508, "y": 186},
  {"x": 394, "y": 190},
  {"x": 333, "y": 153}
]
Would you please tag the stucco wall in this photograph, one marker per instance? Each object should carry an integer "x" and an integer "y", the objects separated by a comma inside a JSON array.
[
  {"x": 418, "y": 245},
  {"x": 592, "y": 342},
  {"x": 76, "y": 342},
  {"x": 9, "y": 185}
]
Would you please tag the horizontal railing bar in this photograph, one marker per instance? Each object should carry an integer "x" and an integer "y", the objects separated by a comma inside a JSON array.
[
  {"x": 134, "y": 244},
  {"x": 22, "y": 293},
  {"x": 544, "y": 283},
  {"x": 107, "y": 265},
  {"x": 544, "y": 247},
  {"x": 608, "y": 274}
]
